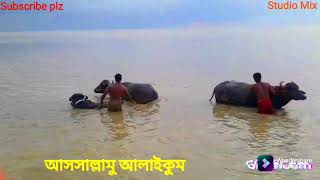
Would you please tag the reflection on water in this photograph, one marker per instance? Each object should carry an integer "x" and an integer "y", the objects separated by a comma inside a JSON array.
[
  {"x": 78, "y": 114},
  {"x": 39, "y": 72},
  {"x": 146, "y": 111},
  {"x": 117, "y": 126},
  {"x": 265, "y": 131}
]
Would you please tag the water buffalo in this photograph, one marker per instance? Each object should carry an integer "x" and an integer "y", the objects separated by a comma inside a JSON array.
[
  {"x": 141, "y": 93},
  {"x": 240, "y": 94},
  {"x": 81, "y": 101}
]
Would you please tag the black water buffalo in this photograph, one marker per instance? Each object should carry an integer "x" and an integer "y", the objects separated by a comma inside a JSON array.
[
  {"x": 240, "y": 94},
  {"x": 81, "y": 101},
  {"x": 141, "y": 93}
]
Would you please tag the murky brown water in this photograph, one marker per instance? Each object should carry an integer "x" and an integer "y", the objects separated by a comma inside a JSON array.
[{"x": 39, "y": 71}]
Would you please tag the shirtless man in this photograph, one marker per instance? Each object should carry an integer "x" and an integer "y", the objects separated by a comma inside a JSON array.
[
  {"x": 263, "y": 91},
  {"x": 117, "y": 92}
]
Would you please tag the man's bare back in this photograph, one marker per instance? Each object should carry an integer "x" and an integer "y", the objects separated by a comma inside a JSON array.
[
  {"x": 117, "y": 92},
  {"x": 262, "y": 90}
]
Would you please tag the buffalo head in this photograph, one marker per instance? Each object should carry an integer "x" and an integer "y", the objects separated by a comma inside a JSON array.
[
  {"x": 294, "y": 92},
  {"x": 102, "y": 86},
  {"x": 76, "y": 97}
]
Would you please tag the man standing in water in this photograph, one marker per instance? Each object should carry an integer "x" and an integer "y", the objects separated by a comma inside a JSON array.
[
  {"x": 117, "y": 92},
  {"x": 263, "y": 92}
]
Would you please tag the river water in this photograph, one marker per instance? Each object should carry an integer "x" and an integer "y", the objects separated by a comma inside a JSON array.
[{"x": 39, "y": 71}]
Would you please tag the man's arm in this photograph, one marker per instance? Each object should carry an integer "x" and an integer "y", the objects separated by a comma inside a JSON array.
[
  {"x": 129, "y": 95},
  {"x": 104, "y": 95}
]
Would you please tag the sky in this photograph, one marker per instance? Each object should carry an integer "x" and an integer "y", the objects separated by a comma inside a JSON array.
[{"x": 137, "y": 14}]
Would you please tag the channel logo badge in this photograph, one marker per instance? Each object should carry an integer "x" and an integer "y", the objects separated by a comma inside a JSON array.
[{"x": 265, "y": 163}]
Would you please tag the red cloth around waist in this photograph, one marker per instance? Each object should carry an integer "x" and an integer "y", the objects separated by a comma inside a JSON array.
[{"x": 265, "y": 106}]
